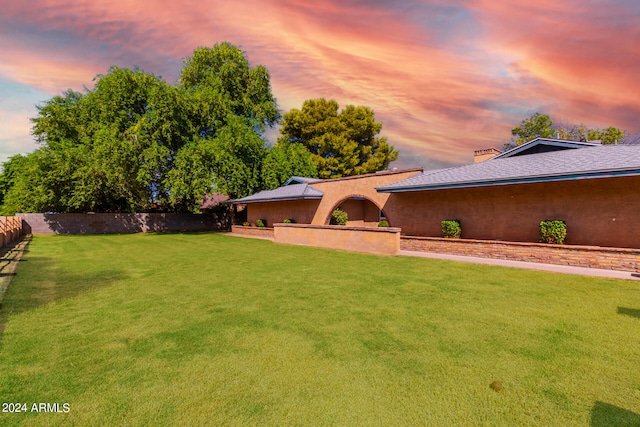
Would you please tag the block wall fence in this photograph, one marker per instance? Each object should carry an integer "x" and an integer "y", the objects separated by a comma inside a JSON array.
[{"x": 111, "y": 223}]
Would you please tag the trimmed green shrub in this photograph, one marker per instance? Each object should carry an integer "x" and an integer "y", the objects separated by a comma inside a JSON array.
[
  {"x": 383, "y": 223},
  {"x": 246, "y": 224},
  {"x": 288, "y": 221},
  {"x": 451, "y": 228},
  {"x": 261, "y": 223},
  {"x": 553, "y": 231},
  {"x": 339, "y": 217}
]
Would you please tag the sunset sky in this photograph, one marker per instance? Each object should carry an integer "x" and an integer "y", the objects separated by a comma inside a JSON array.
[{"x": 444, "y": 77}]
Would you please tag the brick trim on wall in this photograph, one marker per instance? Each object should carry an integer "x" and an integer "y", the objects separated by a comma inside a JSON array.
[{"x": 620, "y": 259}]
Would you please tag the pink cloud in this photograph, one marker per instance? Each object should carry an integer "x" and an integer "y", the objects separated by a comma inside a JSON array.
[
  {"x": 579, "y": 52},
  {"x": 14, "y": 139},
  {"x": 445, "y": 78}
]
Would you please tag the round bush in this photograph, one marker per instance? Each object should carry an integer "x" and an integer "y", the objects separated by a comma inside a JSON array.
[
  {"x": 553, "y": 231},
  {"x": 451, "y": 228},
  {"x": 339, "y": 217}
]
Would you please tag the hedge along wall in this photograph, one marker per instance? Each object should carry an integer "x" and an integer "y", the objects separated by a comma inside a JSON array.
[{"x": 108, "y": 223}]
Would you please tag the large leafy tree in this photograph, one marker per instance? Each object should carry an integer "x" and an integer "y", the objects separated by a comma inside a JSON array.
[
  {"x": 285, "y": 160},
  {"x": 221, "y": 84},
  {"x": 133, "y": 141},
  {"x": 113, "y": 141},
  {"x": 541, "y": 125},
  {"x": 537, "y": 126},
  {"x": 230, "y": 104},
  {"x": 230, "y": 163},
  {"x": 21, "y": 182},
  {"x": 341, "y": 143}
]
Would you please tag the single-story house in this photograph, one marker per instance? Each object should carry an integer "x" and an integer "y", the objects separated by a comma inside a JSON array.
[
  {"x": 594, "y": 188},
  {"x": 311, "y": 201}
]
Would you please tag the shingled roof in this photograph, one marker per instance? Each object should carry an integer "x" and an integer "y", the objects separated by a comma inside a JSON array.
[
  {"x": 301, "y": 180},
  {"x": 288, "y": 192},
  {"x": 581, "y": 163}
]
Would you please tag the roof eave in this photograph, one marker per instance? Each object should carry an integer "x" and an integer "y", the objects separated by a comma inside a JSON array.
[
  {"x": 275, "y": 199},
  {"x": 544, "y": 141},
  {"x": 513, "y": 181}
]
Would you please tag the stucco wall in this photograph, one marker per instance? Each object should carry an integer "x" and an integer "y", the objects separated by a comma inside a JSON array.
[
  {"x": 261, "y": 232},
  {"x": 361, "y": 213},
  {"x": 338, "y": 190},
  {"x": 359, "y": 239},
  {"x": 600, "y": 212},
  {"x": 106, "y": 223},
  {"x": 301, "y": 211}
]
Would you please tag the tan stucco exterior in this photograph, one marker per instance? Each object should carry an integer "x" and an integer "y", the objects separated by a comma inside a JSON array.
[
  {"x": 384, "y": 241},
  {"x": 598, "y": 211},
  {"x": 339, "y": 190},
  {"x": 301, "y": 211},
  {"x": 362, "y": 213},
  {"x": 601, "y": 212},
  {"x": 336, "y": 191}
]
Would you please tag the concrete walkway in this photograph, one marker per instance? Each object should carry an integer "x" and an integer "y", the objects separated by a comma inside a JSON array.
[{"x": 566, "y": 269}]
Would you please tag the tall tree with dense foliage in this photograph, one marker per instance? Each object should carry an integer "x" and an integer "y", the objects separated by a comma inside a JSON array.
[
  {"x": 541, "y": 125},
  {"x": 230, "y": 104},
  {"x": 536, "y": 126},
  {"x": 134, "y": 142},
  {"x": 229, "y": 162},
  {"x": 115, "y": 141},
  {"x": 285, "y": 160},
  {"x": 341, "y": 143},
  {"x": 220, "y": 84}
]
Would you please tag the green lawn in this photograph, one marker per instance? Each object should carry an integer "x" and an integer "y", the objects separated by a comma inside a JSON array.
[{"x": 208, "y": 329}]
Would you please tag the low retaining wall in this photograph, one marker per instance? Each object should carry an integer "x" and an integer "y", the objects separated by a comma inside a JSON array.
[
  {"x": 359, "y": 239},
  {"x": 579, "y": 256},
  {"x": 108, "y": 223},
  {"x": 264, "y": 232}
]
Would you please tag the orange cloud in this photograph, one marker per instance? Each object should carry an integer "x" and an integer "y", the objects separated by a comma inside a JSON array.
[
  {"x": 444, "y": 77},
  {"x": 582, "y": 53}
]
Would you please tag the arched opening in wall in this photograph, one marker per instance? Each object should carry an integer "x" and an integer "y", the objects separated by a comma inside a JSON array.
[{"x": 362, "y": 212}]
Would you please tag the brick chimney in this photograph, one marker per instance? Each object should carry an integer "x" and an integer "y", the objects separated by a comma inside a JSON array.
[{"x": 485, "y": 154}]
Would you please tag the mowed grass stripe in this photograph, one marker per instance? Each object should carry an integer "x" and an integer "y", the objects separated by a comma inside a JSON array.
[{"x": 208, "y": 329}]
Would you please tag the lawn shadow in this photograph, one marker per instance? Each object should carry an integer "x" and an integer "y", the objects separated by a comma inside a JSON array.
[
  {"x": 633, "y": 312},
  {"x": 606, "y": 415},
  {"x": 48, "y": 284}
]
